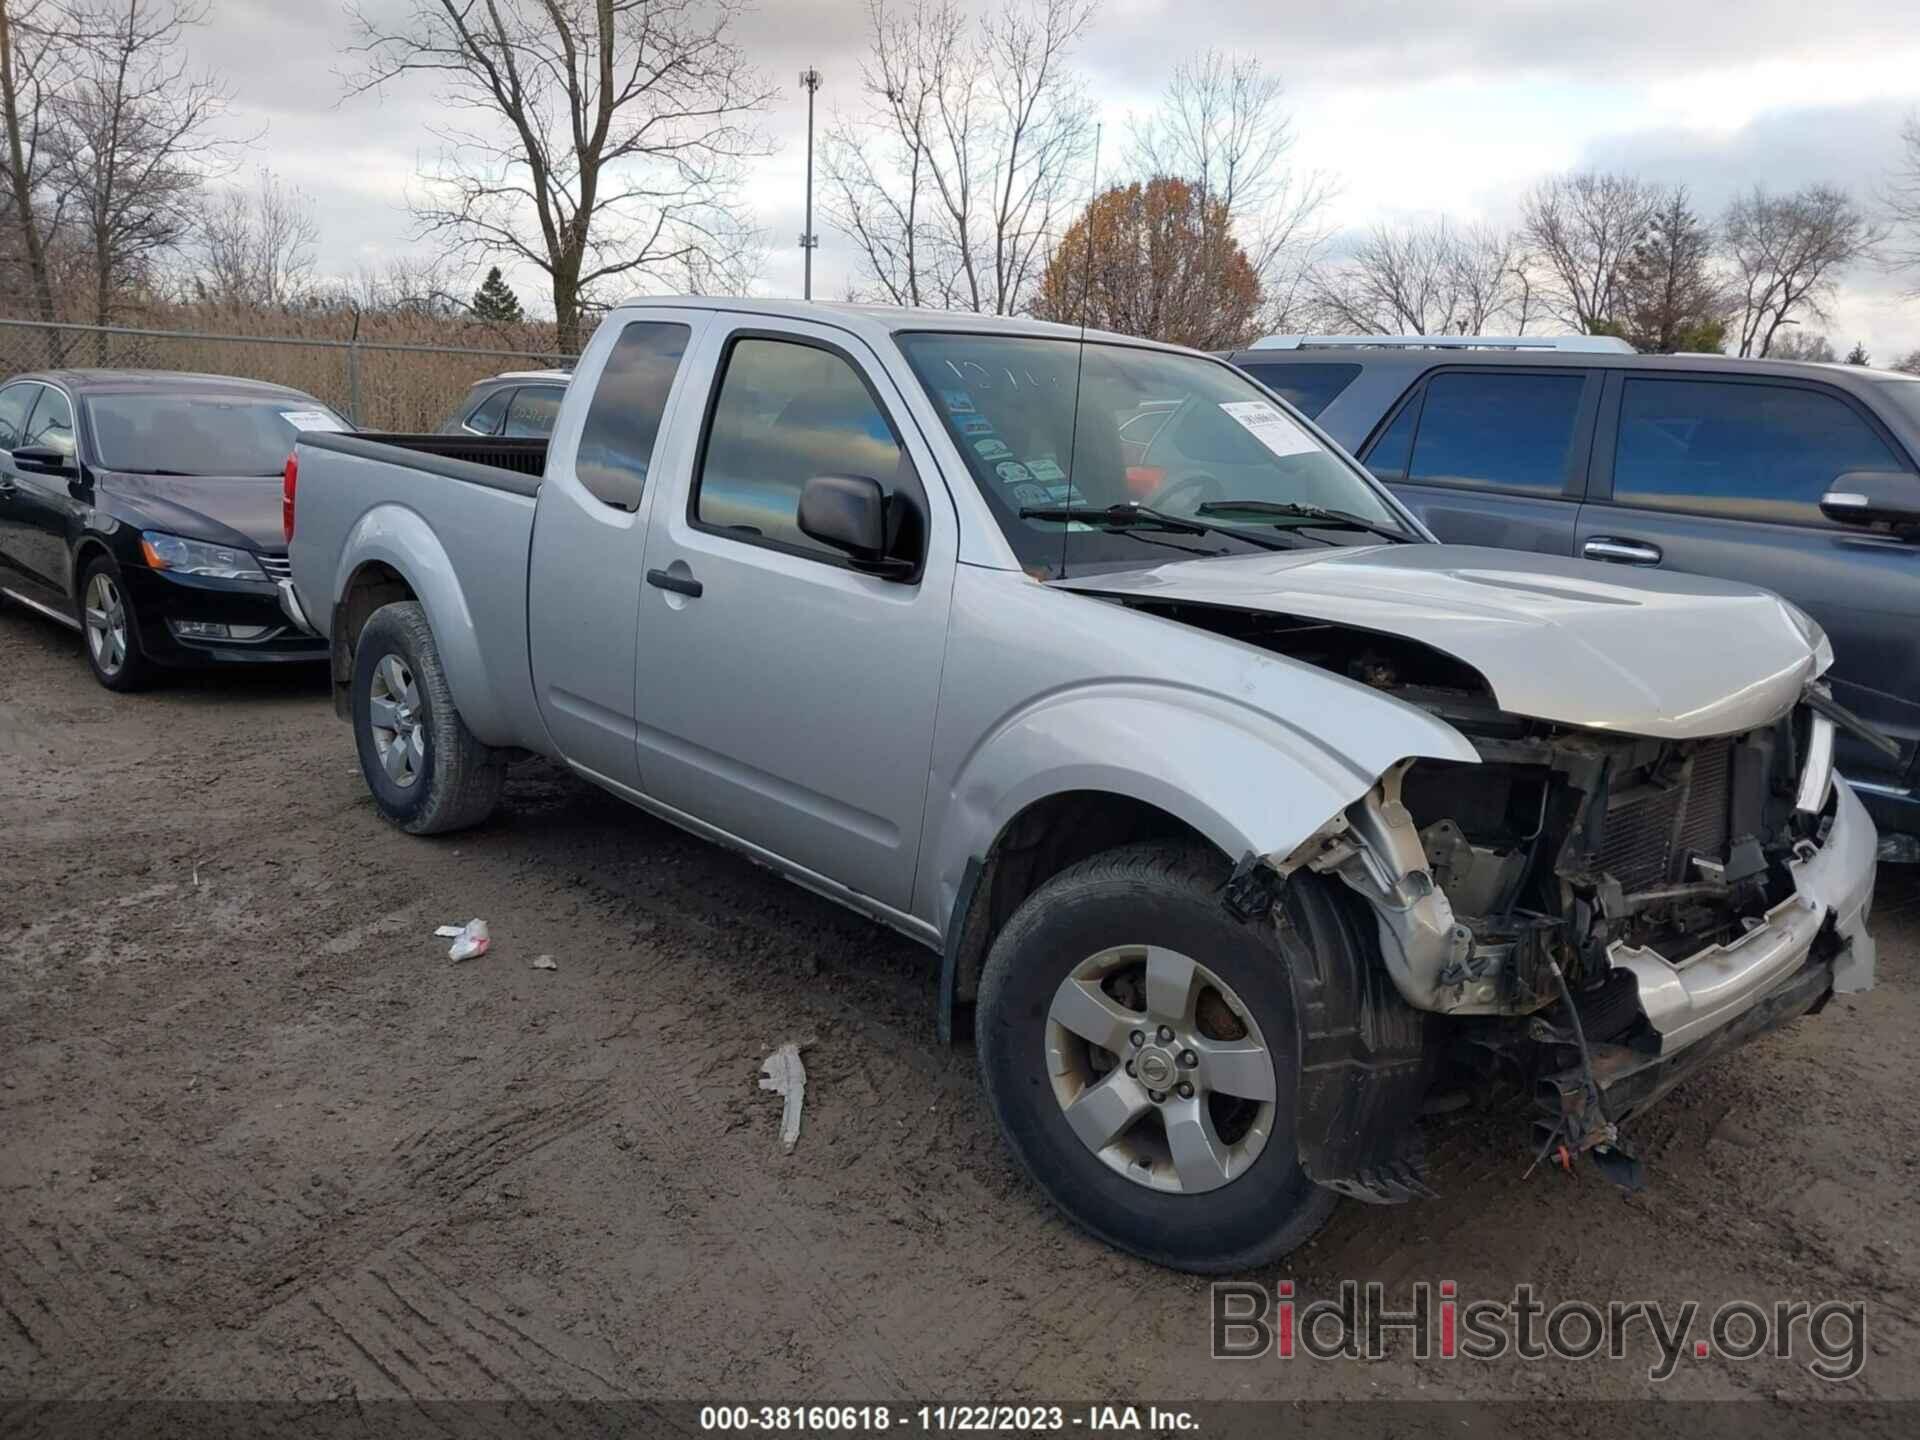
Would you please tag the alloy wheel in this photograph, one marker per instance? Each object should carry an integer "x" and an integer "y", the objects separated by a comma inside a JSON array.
[
  {"x": 399, "y": 729},
  {"x": 1160, "y": 1069},
  {"x": 106, "y": 616}
]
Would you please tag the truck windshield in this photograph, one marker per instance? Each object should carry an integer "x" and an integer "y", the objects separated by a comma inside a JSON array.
[
  {"x": 1165, "y": 432},
  {"x": 226, "y": 435}
]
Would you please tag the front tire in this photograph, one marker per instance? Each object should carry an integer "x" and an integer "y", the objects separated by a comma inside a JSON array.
[
  {"x": 427, "y": 772},
  {"x": 1138, "y": 1047},
  {"x": 111, "y": 633}
]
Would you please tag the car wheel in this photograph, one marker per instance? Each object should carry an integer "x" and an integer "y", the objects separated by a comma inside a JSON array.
[
  {"x": 107, "y": 622},
  {"x": 427, "y": 772},
  {"x": 1139, "y": 1050}
]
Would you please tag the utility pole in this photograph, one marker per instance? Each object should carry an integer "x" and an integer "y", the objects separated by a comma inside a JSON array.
[{"x": 809, "y": 242}]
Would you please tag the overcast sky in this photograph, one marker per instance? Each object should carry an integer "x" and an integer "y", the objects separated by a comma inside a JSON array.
[{"x": 1418, "y": 106}]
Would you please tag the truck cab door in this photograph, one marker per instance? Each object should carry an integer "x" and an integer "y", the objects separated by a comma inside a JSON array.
[
  {"x": 589, "y": 539},
  {"x": 787, "y": 697}
]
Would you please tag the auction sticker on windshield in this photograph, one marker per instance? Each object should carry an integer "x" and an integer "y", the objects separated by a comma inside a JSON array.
[
  {"x": 1270, "y": 427},
  {"x": 311, "y": 420}
]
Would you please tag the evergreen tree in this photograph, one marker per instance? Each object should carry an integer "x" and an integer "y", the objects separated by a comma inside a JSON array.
[
  {"x": 1670, "y": 297},
  {"x": 495, "y": 301},
  {"x": 1858, "y": 355}
]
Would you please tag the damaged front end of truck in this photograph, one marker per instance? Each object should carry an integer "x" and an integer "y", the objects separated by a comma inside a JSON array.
[
  {"x": 1582, "y": 918},
  {"x": 1600, "y": 914}
]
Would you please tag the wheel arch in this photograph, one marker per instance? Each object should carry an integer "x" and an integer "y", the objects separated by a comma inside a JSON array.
[
  {"x": 392, "y": 554},
  {"x": 84, "y": 549},
  {"x": 372, "y": 584},
  {"x": 1045, "y": 837}
]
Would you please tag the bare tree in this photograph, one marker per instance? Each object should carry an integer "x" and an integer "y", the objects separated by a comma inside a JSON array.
[
  {"x": 257, "y": 247},
  {"x": 34, "y": 68},
  {"x": 140, "y": 136},
  {"x": 1581, "y": 229},
  {"x": 954, "y": 179},
  {"x": 1803, "y": 345},
  {"x": 1222, "y": 126},
  {"x": 1421, "y": 278},
  {"x": 609, "y": 138},
  {"x": 1901, "y": 197},
  {"x": 1787, "y": 252},
  {"x": 729, "y": 269},
  {"x": 425, "y": 285}
]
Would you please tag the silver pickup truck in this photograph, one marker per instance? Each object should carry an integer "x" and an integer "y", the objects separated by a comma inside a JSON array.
[{"x": 1247, "y": 821}]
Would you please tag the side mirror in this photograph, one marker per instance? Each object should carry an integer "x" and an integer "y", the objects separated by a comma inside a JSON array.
[
  {"x": 849, "y": 512},
  {"x": 1874, "y": 497},
  {"x": 45, "y": 460}
]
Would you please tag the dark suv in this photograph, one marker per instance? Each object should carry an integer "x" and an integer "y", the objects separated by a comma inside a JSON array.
[{"x": 1795, "y": 476}]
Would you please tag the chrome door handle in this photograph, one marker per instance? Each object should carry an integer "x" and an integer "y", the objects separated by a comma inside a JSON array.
[
  {"x": 679, "y": 584},
  {"x": 1625, "y": 552}
]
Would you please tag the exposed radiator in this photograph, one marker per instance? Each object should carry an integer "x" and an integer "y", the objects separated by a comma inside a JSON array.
[{"x": 1648, "y": 831}]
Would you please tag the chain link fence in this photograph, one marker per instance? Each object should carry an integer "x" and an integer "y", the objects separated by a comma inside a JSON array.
[{"x": 378, "y": 385}]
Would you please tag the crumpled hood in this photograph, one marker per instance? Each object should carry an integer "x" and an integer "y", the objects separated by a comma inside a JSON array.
[
  {"x": 1644, "y": 652},
  {"x": 242, "y": 511}
]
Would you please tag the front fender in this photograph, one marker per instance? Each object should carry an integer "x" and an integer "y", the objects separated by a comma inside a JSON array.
[
  {"x": 400, "y": 538},
  {"x": 1243, "y": 777}
]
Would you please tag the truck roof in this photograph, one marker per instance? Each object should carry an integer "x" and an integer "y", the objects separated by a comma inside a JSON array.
[{"x": 878, "y": 322}]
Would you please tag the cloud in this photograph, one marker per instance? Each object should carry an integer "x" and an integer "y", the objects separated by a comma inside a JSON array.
[
  {"x": 1387, "y": 43},
  {"x": 1418, "y": 106}
]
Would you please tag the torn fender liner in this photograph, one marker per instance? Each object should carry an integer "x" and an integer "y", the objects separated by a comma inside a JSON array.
[
  {"x": 1364, "y": 1060},
  {"x": 953, "y": 1013}
]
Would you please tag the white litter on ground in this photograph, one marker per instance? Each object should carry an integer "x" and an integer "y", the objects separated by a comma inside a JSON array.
[
  {"x": 448, "y": 932},
  {"x": 473, "y": 941},
  {"x": 782, "y": 1073},
  {"x": 545, "y": 962}
]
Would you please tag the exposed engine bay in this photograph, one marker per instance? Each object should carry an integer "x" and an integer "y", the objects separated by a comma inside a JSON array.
[{"x": 1561, "y": 843}]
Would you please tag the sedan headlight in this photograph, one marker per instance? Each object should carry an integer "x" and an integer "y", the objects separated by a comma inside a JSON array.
[{"x": 198, "y": 557}]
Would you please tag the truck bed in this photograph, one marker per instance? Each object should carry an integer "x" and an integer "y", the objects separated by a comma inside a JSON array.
[
  {"x": 451, "y": 514},
  {"x": 478, "y": 459}
]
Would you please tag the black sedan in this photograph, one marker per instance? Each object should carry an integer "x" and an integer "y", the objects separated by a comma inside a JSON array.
[{"x": 144, "y": 509}]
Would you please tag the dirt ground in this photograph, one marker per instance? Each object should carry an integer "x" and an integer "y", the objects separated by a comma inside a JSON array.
[{"x": 260, "y": 1138}]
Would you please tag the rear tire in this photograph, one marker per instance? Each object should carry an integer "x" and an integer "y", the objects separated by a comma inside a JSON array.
[
  {"x": 1237, "y": 1202},
  {"x": 427, "y": 772}
]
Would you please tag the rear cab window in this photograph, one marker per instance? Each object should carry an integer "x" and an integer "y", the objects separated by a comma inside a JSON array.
[
  {"x": 1308, "y": 388},
  {"x": 623, "y": 419},
  {"x": 1739, "y": 449}
]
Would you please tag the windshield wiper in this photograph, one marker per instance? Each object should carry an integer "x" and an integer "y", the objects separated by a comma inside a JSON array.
[
  {"x": 1131, "y": 514},
  {"x": 1289, "y": 510}
]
